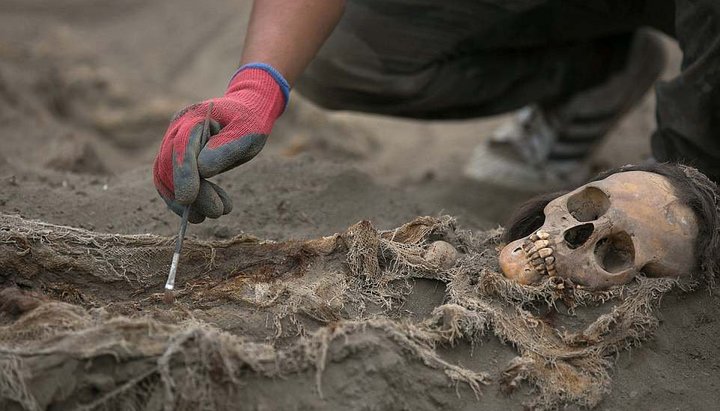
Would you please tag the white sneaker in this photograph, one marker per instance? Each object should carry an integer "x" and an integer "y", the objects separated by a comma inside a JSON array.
[
  {"x": 542, "y": 149},
  {"x": 516, "y": 156}
]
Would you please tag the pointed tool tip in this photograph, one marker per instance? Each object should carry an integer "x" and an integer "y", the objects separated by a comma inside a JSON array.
[{"x": 169, "y": 297}]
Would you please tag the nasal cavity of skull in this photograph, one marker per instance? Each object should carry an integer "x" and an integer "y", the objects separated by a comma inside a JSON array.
[
  {"x": 615, "y": 253},
  {"x": 588, "y": 205},
  {"x": 578, "y": 235}
]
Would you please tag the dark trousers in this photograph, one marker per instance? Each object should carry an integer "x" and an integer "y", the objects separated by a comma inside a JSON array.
[{"x": 434, "y": 59}]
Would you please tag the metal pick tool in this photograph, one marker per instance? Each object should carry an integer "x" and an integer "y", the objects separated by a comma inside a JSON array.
[{"x": 170, "y": 283}]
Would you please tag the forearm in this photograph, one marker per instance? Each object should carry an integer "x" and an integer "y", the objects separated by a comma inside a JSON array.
[{"x": 287, "y": 34}]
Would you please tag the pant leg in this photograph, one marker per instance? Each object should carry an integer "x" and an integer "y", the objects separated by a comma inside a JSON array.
[
  {"x": 468, "y": 58},
  {"x": 688, "y": 106}
]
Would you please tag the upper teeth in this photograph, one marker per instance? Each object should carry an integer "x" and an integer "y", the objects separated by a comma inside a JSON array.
[{"x": 539, "y": 253}]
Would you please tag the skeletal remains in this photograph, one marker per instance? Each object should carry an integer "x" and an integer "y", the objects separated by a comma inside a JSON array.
[{"x": 606, "y": 232}]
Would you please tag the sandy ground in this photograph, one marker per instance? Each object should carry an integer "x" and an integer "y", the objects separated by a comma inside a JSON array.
[{"x": 87, "y": 87}]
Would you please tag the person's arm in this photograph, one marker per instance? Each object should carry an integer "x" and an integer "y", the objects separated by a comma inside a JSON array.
[
  {"x": 286, "y": 34},
  {"x": 283, "y": 36}
]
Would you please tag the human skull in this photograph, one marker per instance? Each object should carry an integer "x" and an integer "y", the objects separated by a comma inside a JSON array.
[{"x": 605, "y": 232}]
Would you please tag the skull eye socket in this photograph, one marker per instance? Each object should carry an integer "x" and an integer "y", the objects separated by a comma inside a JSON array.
[
  {"x": 578, "y": 235},
  {"x": 588, "y": 205},
  {"x": 615, "y": 253}
]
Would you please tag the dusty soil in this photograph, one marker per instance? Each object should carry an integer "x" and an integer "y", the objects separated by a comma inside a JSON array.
[{"x": 87, "y": 87}]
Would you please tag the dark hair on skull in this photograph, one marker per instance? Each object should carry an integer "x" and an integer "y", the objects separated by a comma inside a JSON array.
[{"x": 692, "y": 187}]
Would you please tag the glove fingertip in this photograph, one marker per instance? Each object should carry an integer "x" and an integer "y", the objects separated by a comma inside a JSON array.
[
  {"x": 225, "y": 198},
  {"x": 227, "y": 205},
  {"x": 208, "y": 201},
  {"x": 214, "y": 160},
  {"x": 195, "y": 217},
  {"x": 186, "y": 190}
]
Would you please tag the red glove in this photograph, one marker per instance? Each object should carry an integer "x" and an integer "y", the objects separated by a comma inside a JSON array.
[{"x": 241, "y": 122}]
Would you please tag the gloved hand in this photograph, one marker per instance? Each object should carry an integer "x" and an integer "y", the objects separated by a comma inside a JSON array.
[{"x": 240, "y": 123}]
